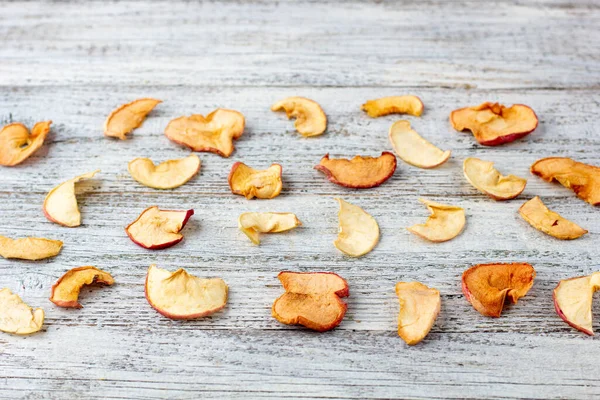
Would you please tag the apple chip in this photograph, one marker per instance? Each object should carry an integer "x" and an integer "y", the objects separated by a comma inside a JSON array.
[
  {"x": 17, "y": 317},
  {"x": 541, "y": 218},
  {"x": 573, "y": 301},
  {"x": 214, "y": 133},
  {"x": 413, "y": 149},
  {"x": 394, "y": 105},
  {"x": 250, "y": 183},
  {"x": 29, "y": 248},
  {"x": 128, "y": 117},
  {"x": 60, "y": 205},
  {"x": 419, "y": 308},
  {"x": 359, "y": 172},
  {"x": 16, "y": 144},
  {"x": 358, "y": 231},
  {"x": 310, "y": 118},
  {"x": 581, "y": 178},
  {"x": 485, "y": 178},
  {"x": 311, "y": 299},
  {"x": 488, "y": 286},
  {"x": 179, "y": 295},
  {"x": 493, "y": 124},
  {"x": 158, "y": 229},
  {"x": 65, "y": 292},
  {"x": 445, "y": 222},
  {"x": 166, "y": 175},
  {"x": 253, "y": 223}
]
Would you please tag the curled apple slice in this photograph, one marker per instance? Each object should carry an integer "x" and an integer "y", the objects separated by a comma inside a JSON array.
[
  {"x": 583, "y": 179},
  {"x": 17, "y": 317},
  {"x": 541, "y": 218},
  {"x": 493, "y": 124},
  {"x": 419, "y": 308},
  {"x": 250, "y": 183},
  {"x": 394, "y": 105},
  {"x": 65, "y": 292},
  {"x": 16, "y": 144},
  {"x": 60, "y": 205},
  {"x": 485, "y": 178},
  {"x": 310, "y": 118},
  {"x": 311, "y": 299},
  {"x": 573, "y": 301},
  {"x": 179, "y": 295},
  {"x": 413, "y": 149},
  {"x": 128, "y": 117},
  {"x": 253, "y": 223},
  {"x": 359, "y": 172},
  {"x": 445, "y": 222},
  {"x": 29, "y": 248},
  {"x": 488, "y": 286},
  {"x": 158, "y": 229},
  {"x": 166, "y": 175},
  {"x": 358, "y": 231},
  {"x": 214, "y": 133}
]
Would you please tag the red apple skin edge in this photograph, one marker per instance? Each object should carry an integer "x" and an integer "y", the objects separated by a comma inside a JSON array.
[
  {"x": 161, "y": 246},
  {"x": 52, "y": 219},
  {"x": 237, "y": 164},
  {"x": 563, "y": 316},
  {"x": 331, "y": 178},
  {"x": 467, "y": 294},
  {"x": 71, "y": 304}
]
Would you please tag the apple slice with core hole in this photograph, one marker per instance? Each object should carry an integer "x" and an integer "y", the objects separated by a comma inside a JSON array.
[
  {"x": 419, "y": 308},
  {"x": 359, "y": 172},
  {"x": 166, "y": 175},
  {"x": 413, "y": 149},
  {"x": 128, "y": 117},
  {"x": 358, "y": 231},
  {"x": 485, "y": 178},
  {"x": 394, "y": 105},
  {"x": 251, "y": 183},
  {"x": 60, "y": 205},
  {"x": 17, "y": 317},
  {"x": 253, "y": 223},
  {"x": 17, "y": 144},
  {"x": 445, "y": 222},
  {"x": 29, "y": 248},
  {"x": 573, "y": 301},
  {"x": 158, "y": 229},
  {"x": 310, "y": 118},
  {"x": 65, "y": 292},
  {"x": 541, "y": 218}
]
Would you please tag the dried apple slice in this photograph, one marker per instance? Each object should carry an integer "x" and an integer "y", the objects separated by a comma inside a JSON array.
[
  {"x": 311, "y": 299},
  {"x": 413, "y": 149},
  {"x": 445, "y": 222},
  {"x": 17, "y": 317},
  {"x": 358, "y": 231},
  {"x": 488, "y": 286},
  {"x": 394, "y": 105},
  {"x": 179, "y": 295},
  {"x": 541, "y": 218},
  {"x": 253, "y": 223},
  {"x": 16, "y": 144},
  {"x": 583, "y": 179},
  {"x": 166, "y": 175},
  {"x": 60, "y": 205},
  {"x": 157, "y": 229},
  {"x": 493, "y": 124},
  {"x": 419, "y": 308},
  {"x": 65, "y": 292},
  {"x": 485, "y": 178},
  {"x": 214, "y": 133},
  {"x": 310, "y": 118},
  {"x": 128, "y": 117},
  {"x": 359, "y": 172},
  {"x": 29, "y": 248},
  {"x": 250, "y": 183},
  {"x": 573, "y": 301}
]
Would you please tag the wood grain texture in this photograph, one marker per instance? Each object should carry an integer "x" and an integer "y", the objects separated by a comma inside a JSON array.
[{"x": 74, "y": 62}]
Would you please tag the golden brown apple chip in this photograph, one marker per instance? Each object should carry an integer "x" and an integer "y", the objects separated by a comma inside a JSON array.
[
  {"x": 488, "y": 286},
  {"x": 29, "y": 248},
  {"x": 311, "y": 299},
  {"x": 493, "y": 124},
  {"x": 128, "y": 117},
  {"x": 581, "y": 178},
  {"x": 573, "y": 301},
  {"x": 310, "y": 118},
  {"x": 16, "y": 144},
  {"x": 179, "y": 295},
  {"x": 359, "y": 172},
  {"x": 413, "y": 149},
  {"x": 419, "y": 308},
  {"x": 157, "y": 229},
  {"x": 214, "y": 133},
  {"x": 253, "y": 223},
  {"x": 65, "y": 292},
  {"x": 541, "y": 218},
  {"x": 60, "y": 205},
  {"x": 394, "y": 105},
  {"x": 166, "y": 175},
  {"x": 485, "y": 178},
  {"x": 17, "y": 317},
  {"x": 445, "y": 222},
  {"x": 358, "y": 231},
  {"x": 250, "y": 183}
]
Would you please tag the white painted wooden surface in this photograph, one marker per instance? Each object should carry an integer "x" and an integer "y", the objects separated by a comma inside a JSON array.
[{"x": 74, "y": 62}]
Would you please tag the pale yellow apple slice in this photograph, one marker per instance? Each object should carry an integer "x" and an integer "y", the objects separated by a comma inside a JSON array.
[
  {"x": 445, "y": 222},
  {"x": 541, "y": 218},
  {"x": 17, "y": 317},
  {"x": 394, "y": 105},
  {"x": 60, "y": 205},
  {"x": 413, "y": 149},
  {"x": 65, "y": 292},
  {"x": 254, "y": 223},
  {"x": 179, "y": 295},
  {"x": 485, "y": 178},
  {"x": 573, "y": 301},
  {"x": 358, "y": 231},
  {"x": 310, "y": 118},
  {"x": 128, "y": 117},
  {"x": 29, "y": 248},
  {"x": 251, "y": 183},
  {"x": 166, "y": 175},
  {"x": 419, "y": 308}
]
